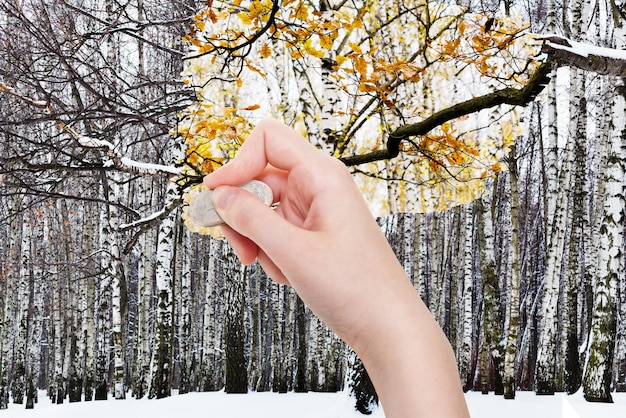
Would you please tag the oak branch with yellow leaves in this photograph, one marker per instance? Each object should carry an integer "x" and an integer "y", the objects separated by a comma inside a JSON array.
[{"x": 365, "y": 82}]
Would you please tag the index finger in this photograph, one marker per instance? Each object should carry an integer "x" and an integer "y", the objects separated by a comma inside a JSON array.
[{"x": 271, "y": 142}]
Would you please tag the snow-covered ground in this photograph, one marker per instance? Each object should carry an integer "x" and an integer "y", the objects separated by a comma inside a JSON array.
[{"x": 310, "y": 405}]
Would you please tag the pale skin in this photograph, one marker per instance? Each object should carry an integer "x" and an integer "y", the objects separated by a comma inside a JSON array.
[{"x": 323, "y": 241}]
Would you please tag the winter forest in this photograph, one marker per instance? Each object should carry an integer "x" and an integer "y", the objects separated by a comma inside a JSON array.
[{"x": 489, "y": 138}]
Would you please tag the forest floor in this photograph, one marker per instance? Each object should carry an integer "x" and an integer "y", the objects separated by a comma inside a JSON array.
[{"x": 310, "y": 405}]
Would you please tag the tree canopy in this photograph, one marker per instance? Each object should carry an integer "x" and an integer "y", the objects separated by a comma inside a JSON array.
[{"x": 329, "y": 70}]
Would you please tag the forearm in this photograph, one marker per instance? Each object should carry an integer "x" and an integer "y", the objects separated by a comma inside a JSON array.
[{"x": 411, "y": 362}]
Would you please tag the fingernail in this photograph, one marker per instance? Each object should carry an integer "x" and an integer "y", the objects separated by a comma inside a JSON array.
[{"x": 223, "y": 196}]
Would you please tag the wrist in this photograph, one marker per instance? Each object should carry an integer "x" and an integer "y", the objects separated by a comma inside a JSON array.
[{"x": 410, "y": 361}]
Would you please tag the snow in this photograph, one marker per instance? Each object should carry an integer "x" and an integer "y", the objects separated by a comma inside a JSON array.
[
  {"x": 150, "y": 168},
  {"x": 310, "y": 405},
  {"x": 141, "y": 221},
  {"x": 91, "y": 142},
  {"x": 583, "y": 49}
]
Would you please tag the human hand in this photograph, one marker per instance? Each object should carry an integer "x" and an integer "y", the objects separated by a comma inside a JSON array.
[
  {"x": 323, "y": 241},
  {"x": 319, "y": 236}
]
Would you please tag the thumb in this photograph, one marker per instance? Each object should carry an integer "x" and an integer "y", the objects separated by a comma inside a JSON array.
[{"x": 248, "y": 216}]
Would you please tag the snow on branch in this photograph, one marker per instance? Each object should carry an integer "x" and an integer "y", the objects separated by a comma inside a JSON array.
[
  {"x": 147, "y": 222},
  {"x": 119, "y": 161},
  {"x": 33, "y": 102},
  {"x": 566, "y": 52}
]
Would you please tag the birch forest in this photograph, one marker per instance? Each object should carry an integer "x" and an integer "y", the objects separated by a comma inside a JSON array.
[{"x": 488, "y": 136}]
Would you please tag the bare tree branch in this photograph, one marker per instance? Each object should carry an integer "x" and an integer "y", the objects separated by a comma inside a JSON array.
[{"x": 117, "y": 160}]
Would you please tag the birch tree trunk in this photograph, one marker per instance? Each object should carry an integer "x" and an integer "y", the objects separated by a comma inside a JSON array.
[
  {"x": 145, "y": 278},
  {"x": 146, "y": 197},
  {"x": 9, "y": 323},
  {"x": 254, "y": 311},
  {"x": 307, "y": 100},
  {"x": 236, "y": 364},
  {"x": 465, "y": 347},
  {"x": 422, "y": 256},
  {"x": 288, "y": 337},
  {"x": 267, "y": 334},
  {"x": 492, "y": 317},
  {"x": 532, "y": 234},
  {"x": 510, "y": 369},
  {"x": 88, "y": 298},
  {"x": 279, "y": 366},
  {"x": 4, "y": 344},
  {"x": 36, "y": 321},
  {"x": 18, "y": 387},
  {"x": 161, "y": 367},
  {"x": 620, "y": 350},
  {"x": 103, "y": 310},
  {"x": 300, "y": 384},
  {"x": 593, "y": 205},
  {"x": 118, "y": 289},
  {"x": 70, "y": 367},
  {"x": 546, "y": 373},
  {"x": 211, "y": 373},
  {"x": 597, "y": 375},
  {"x": 58, "y": 303},
  {"x": 573, "y": 274},
  {"x": 119, "y": 301},
  {"x": 183, "y": 271}
]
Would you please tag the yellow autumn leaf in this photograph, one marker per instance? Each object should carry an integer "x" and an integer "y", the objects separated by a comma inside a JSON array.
[
  {"x": 245, "y": 18},
  {"x": 266, "y": 51},
  {"x": 360, "y": 65},
  {"x": 317, "y": 53},
  {"x": 207, "y": 166},
  {"x": 507, "y": 133},
  {"x": 356, "y": 24},
  {"x": 204, "y": 150},
  {"x": 367, "y": 87},
  {"x": 354, "y": 47},
  {"x": 205, "y": 48},
  {"x": 194, "y": 159},
  {"x": 451, "y": 46},
  {"x": 228, "y": 111},
  {"x": 200, "y": 25},
  {"x": 461, "y": 27},
  {"x": 302, "y": 13},
  {"x": 312, "y": 50},
  {"x": 212, "y": 16},
  {"x": 473, "y": 151},
  {"x": 455, "y": 158},
  {"x": 326, "y": 41},
  {"x": 254, "y": 69}
]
